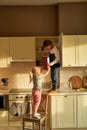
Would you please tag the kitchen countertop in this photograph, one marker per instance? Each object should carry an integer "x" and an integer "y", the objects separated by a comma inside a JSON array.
[
  {"x": 28, "y": 91},
  {"x": 70, "y": 92}
]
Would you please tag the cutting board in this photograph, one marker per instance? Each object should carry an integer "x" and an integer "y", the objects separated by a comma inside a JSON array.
[
  {"x": 75, "y": 81},
  {"x": 84, "y": 81}
]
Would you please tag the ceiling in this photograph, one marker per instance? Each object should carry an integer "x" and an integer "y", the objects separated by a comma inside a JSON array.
[{"x": 36, "y": 2}]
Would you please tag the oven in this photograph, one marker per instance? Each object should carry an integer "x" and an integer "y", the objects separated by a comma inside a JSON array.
[
  {"x": 19, "y": 105},
  {"x": 3, "y": 102}
]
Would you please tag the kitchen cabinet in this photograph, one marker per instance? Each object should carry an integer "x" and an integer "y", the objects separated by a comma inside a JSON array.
[
  {"x": 39, "y": 47},
  {"x": 3, "y": 118},
  {"x": 82, "y": 111},
  {"x": 63, "y": 111},
  {"x": 4, "y": 52},
  {"x": 82, "y": 50},
  {"x": 69, "y": 51},
  {"x": 22, "y": 48},
  {"x": 74, "y": 48}
]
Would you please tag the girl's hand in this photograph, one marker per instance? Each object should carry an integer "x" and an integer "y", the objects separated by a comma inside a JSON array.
[
  {"x": 30, "y": 77},
  {"x": 48, "y": 67}
]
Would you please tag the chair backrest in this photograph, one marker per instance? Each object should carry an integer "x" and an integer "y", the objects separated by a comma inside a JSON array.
[{"x": 43, "y": 104}]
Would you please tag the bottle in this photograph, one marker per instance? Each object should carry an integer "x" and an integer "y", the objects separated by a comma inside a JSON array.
[{"x": 45, "y": 62}]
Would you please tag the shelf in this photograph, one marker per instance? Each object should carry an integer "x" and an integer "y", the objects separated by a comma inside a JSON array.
[
  {"x": 39, "y": 47},
  {"x": 42, "y": 51}
]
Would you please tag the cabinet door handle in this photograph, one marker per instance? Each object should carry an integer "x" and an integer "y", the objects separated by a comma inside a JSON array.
[
  {"x": 65, "y": 96},
  {"x": 69, "y": 65}
]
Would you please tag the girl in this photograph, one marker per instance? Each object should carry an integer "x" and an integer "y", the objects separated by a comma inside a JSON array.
[{"x": 37, "y": 87}]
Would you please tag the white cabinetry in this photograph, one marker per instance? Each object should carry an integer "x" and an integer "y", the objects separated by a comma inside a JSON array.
[
  {"x": 4, "y": 118},
  {"x": 82, "y": 111},
  {"x": 63, "y": 111},
  {"x": 4, "y": 52},
  {"x": 83, "y": 50},
  {"x": 74, "y": 48},
  {"x": 22, "y": 48},
  {"x": 69, "y": 51}
]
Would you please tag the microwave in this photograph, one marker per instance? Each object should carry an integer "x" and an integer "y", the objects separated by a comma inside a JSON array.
[{"x": 3, "y": 102}]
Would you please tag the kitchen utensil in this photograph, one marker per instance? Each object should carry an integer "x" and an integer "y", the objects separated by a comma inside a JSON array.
[
  {"x": 84, "y": 81},
  {"x": 75, "y": 81}
]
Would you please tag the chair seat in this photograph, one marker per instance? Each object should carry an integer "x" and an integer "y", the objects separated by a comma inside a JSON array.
[
  {"x": 33, "y": 119},
  {"x": 40, "y": 122}
]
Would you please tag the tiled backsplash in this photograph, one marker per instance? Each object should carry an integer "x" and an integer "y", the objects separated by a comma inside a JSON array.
[
  {"x": 18, "y": 75},
  {"x": 66, "y": 73}
]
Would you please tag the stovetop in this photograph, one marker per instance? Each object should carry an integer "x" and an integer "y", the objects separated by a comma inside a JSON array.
[{"x": 20, "y": 90}]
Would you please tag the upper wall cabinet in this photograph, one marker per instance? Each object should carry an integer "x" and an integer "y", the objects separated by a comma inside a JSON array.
[
  {"x": 22, "y": 48},
  {"x": 82, "y": 50},
  {"x": 74, "y": 48},
  {"x": 4, "y": 52},
  {"x": 69, "y": 51}
]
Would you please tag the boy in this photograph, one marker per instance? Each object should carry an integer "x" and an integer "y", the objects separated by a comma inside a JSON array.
[{"x": 54, "y": 63}]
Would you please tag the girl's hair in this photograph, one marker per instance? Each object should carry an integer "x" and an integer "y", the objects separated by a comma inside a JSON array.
[
  {"x": 35, "y": 70},
  {"x": 47, "y": 43}
]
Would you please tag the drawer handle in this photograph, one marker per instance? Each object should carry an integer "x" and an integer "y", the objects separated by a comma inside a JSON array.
[{"x": 65, "y": 96}]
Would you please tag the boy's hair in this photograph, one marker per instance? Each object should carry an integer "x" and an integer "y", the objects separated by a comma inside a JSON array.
[{"x": 47, "y": 43}]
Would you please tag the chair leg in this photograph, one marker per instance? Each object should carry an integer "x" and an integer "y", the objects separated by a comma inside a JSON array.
[
  {"x": 23, "y": 124},
  {"x": 33, "y": 125},
  {"x": 39, "y": 126},
  {"x": 44, "y": 124}
]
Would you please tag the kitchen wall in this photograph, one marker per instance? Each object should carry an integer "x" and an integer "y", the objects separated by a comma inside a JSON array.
[
  {"x": 18, "y": 75},
  {"x": 69, "y": 18},
  {"x": 73, "y": 18},
  {"x": 29, "y": 20}
]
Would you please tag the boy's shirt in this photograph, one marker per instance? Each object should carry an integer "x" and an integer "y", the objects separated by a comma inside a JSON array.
[{"x": 54, "y": 56}]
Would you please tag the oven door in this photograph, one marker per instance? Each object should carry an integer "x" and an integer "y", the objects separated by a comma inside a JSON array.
[{"x": 17, "y": 109}]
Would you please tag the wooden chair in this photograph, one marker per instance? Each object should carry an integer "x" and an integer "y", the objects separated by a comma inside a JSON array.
[{"x": 38, "y": 123}]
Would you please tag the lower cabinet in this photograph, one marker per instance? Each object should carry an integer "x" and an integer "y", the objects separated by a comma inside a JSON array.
[
  {"x": 3, "y": 118},
  {"x": 68, "y": 111},
  {"x": 63, "y": 111},
  {"x": 82, "y": 111}
]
